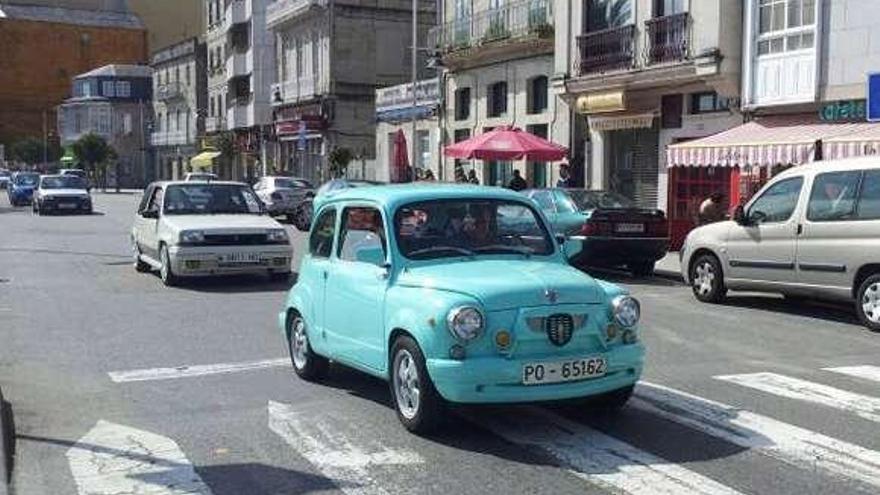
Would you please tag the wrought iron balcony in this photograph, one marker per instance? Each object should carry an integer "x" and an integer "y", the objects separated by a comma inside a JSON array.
[
  {"x": 608, "y": 49},
  {"x": 668, "y": 38},
  {"x": 294, "y": 90},
  {"x": 281, "y": 11},
  {"x": 525, "y": 19}
]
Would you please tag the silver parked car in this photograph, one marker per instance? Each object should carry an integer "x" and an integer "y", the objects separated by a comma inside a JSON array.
[
  {"x": 285, "y": 196},
  {"x": 811, "y": 232}
]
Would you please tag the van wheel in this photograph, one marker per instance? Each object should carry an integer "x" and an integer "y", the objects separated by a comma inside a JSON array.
[
  {"x": 707, "y": 279},
  {"x": 307, "y": 365},
  {"x": 868, "y": 303},
  {"x": 419, "y": 406}
]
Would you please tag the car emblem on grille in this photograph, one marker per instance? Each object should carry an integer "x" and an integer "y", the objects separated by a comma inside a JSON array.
[
  {"x": 551, "y": 295},
  {"x": 560, "y": 328}
]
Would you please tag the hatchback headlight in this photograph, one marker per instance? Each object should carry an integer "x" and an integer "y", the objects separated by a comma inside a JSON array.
[
  {"x": 626, "y": 311},
  {"x": 192, "y": 237},
  {"x": 465, "y": 323},
  {"x": 277, "y": 235}
]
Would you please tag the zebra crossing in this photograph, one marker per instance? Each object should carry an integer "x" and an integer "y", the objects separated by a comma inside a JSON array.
[{"x": 114, "y": 458}]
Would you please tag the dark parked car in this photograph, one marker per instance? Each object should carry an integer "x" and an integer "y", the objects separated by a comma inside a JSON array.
[
  {"x": 21, "y": 188},
  {"x": 603, "y": 228}
]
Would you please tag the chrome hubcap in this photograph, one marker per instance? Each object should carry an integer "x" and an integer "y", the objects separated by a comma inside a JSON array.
[
  {"x": 406, "y": 384},
  {"x": 299, "y": 343},
  {"x": 704, "y": 276},
  {"x": 871, "y": 303}
]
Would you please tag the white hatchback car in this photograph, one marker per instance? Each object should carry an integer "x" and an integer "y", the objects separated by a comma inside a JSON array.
[
  {"x": 191, "y": 229},
  {"x": 812, "y": 232}
]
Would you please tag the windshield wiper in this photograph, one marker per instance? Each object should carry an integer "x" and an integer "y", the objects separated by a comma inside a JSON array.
[
  {"x": 442, "y": 249},
  {"x": 501, "y": 247}
]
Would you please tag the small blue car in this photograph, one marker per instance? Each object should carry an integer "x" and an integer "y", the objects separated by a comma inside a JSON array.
[
  {"x": 21, "y": 188},
  {"x": 456, "y": 294}
]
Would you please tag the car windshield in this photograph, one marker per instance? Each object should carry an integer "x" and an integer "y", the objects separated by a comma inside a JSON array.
[
  {"x": 26, "y": 179},
  {"x": 201, "y": 199},
  {"x": 201, "y": 177},
  {"x": 469, "y": 227},
  {"x": 62, "y": 182},
  {"x": 285, "y": 183},
  {"x": 75, "y": 173},
  {"x": 591, "y": 200}
]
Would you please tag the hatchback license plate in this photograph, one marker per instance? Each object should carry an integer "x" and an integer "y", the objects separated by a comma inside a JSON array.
[
  {"x": 563, "y": 371},
  {"x": 240, "y": 258},
  {"x": 629, "y": 228},
  {"x": 67, "y": 206}
]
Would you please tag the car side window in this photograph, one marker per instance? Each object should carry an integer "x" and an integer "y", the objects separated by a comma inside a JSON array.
[
  {"x": 869, "y": 197},
  {"x": 834, "y": 196},
  {"x": 148, "y": 194},
  {"x": 321, "y": 241},
  {"x": 545, "y": 201},
  {"x": 777, "y": 203},
  {"x": 362, "y": 236}
]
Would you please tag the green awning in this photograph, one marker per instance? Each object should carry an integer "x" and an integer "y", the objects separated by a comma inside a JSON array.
[{"x": 204, "y": 159}]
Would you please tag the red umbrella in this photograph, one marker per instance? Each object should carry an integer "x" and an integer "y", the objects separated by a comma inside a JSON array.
[
  {"x": 400, "y": 164},
  {"x": 507, "y": 143}
]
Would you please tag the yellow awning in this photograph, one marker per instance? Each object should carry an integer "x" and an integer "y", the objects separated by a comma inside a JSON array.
[{"x": 204, "y": 159}]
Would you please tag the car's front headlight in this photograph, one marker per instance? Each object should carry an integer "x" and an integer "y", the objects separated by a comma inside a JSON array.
[
  {"x": 465, "y": 323},
  {"x": 192, "y": 237},
  {"x": 277, "y": 235},
  {"x": 626, "y": 311}
]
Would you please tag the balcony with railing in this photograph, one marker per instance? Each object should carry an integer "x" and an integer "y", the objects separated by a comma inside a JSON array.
[
  {"x": 237, "y": 12},
  {"x": 521, "y": 21},
  {"x": 294, "y": 90},
  {"x": 608, "y": 49},
  {"x": 282, "y": 11},
  {"x": 215, "y": 124},
  {"x": 239, "y": 64},
  {"x": 169, "y": 138},
  {"x": 241, "y": 113},
  {"x": 170, "y": 91},
  {"x": 668, "y": 38}
]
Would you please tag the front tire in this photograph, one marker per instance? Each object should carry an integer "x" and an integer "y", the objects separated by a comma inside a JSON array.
[
  {"x": 300, "y": 218},
  {"x": 165, "y": 271},
  {"x": 419, "y": 407},
  {"x": 868, "y": 303},
  {"x": 707, "y": 279},
  {"x": 307, "y": 365}
]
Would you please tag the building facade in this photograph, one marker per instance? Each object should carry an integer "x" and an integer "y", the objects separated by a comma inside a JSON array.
[
  {"x": 330, "y": 58},
  {"x": 113, "y": 102},
  {"x": 44, "y": 46},
  {"x": 640, "y": 74},
  {"x": 396, "y": 109},
  {"x": 240, "y": 71},
  {"x": 180, "y": 96},
  {"x": 499, "y": 57}
]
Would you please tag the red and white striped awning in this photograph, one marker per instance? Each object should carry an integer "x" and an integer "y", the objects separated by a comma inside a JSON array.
[{"x": 782, "y": 139}]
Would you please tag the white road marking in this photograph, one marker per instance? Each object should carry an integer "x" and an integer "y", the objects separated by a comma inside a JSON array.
[
  {"x": 597, "y": 457},
  {"x": 191, "y": 371},
  {"x": 113, "y": 459},
  {"x": 790, "y": 444},
  {"x": 341, "y": 451},
  {"x": 866, "y": 372},
  {"x": 793, "y": 388}
]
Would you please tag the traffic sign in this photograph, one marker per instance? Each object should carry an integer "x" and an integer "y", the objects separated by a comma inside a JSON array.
[
  {"x": 874, "y": 97},
  {"x": 301, "y": 141}
]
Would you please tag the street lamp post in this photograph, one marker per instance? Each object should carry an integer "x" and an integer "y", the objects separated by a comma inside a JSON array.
[{"x": 415, "y": 96}]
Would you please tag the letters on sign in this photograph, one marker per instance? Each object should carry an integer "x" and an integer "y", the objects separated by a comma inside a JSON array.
[{"x": 843, "y": 111}]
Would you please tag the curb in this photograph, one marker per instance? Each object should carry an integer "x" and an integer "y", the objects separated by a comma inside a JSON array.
[
  {"x": 7, "y": 445},
  {"x": 668, "y": 274}
]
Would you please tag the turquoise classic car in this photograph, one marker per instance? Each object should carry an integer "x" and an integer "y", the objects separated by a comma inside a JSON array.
[{"x": 456, "y": 294}]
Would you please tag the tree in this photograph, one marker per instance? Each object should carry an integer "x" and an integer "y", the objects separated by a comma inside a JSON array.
[
  {"x": 30, "y": 150},
  {"x": 93, "y": 150},
  {"x": 339, "y": 158}
]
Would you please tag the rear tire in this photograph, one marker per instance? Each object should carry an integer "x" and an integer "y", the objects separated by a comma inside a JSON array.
[
  {"x": 419, "y": 407},
  {"x": 868, "y": 303},
  {"x": 707, "y": 279},
  {"x": 300, "y": 217},
  {"x": 642, "y": 268},
  {"x": 306, "y": 364}
]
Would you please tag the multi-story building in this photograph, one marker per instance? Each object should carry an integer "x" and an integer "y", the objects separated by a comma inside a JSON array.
[
  {"x": 330, "y": 58},
  {"x": 180, "y": 93},
  {"x": 113, "y": 102},
  {"x": 240, "y": 54},
  {"x": 44, "y": 43},
  {"x": 640, "y": 74},
  {"x": 499, "y": 56}
]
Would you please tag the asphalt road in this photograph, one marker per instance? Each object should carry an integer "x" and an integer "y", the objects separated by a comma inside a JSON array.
[{"x": 737, "y": 398}]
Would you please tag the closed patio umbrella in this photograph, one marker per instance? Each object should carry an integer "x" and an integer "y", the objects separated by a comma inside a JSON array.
[{"x": 400, "y": 163}]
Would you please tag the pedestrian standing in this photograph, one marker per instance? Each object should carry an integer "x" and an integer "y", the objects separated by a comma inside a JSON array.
[
  {"x": 472, "y": 177},
  {"x": 517, "y": 183},
  {"x": 429, "y": 176},
  {"x": 564, "y": 177},
  {"x": 712, "y": 209}
]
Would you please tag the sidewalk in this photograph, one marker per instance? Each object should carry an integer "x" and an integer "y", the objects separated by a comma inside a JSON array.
[
  {"x": 669, "y": 267},
  {"x": 7, "y": 437}
]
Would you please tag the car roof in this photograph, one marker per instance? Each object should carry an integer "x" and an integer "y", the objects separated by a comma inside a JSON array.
[
  {"x": 395, "y": 195},
  {"x": 859, "y": 163},
  {"x": 165, "y": 183}
]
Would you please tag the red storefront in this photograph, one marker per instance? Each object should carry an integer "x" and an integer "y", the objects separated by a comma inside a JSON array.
[{"x": 738, "y": 161}]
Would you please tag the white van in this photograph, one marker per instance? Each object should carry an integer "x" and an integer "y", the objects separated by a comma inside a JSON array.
[{"x": 812, "y": 232}]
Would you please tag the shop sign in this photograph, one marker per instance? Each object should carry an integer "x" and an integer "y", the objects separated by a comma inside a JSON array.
[
  {"x": 843, "y": 111},
  {"x": 400, "y": 96},
  {"x": 874, "y": 97},
  {"x": 640, "y": 121},
  {"x": 612, "y": 101}
]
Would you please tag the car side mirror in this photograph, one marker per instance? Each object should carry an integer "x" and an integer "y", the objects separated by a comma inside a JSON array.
[
  {"x": 756, "y": 217},
  {"x": 150, "y": 214},
  {"x": 739, "y": 215},
  {"x": 372, "y": 254}
]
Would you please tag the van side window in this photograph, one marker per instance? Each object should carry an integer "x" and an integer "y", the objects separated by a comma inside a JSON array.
[
  {"x": 321, "y": 241},
  {"x": 834, "y": 196},
  {"x": 869, "y": 198},
  {"x": 778, "y": 202}
]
